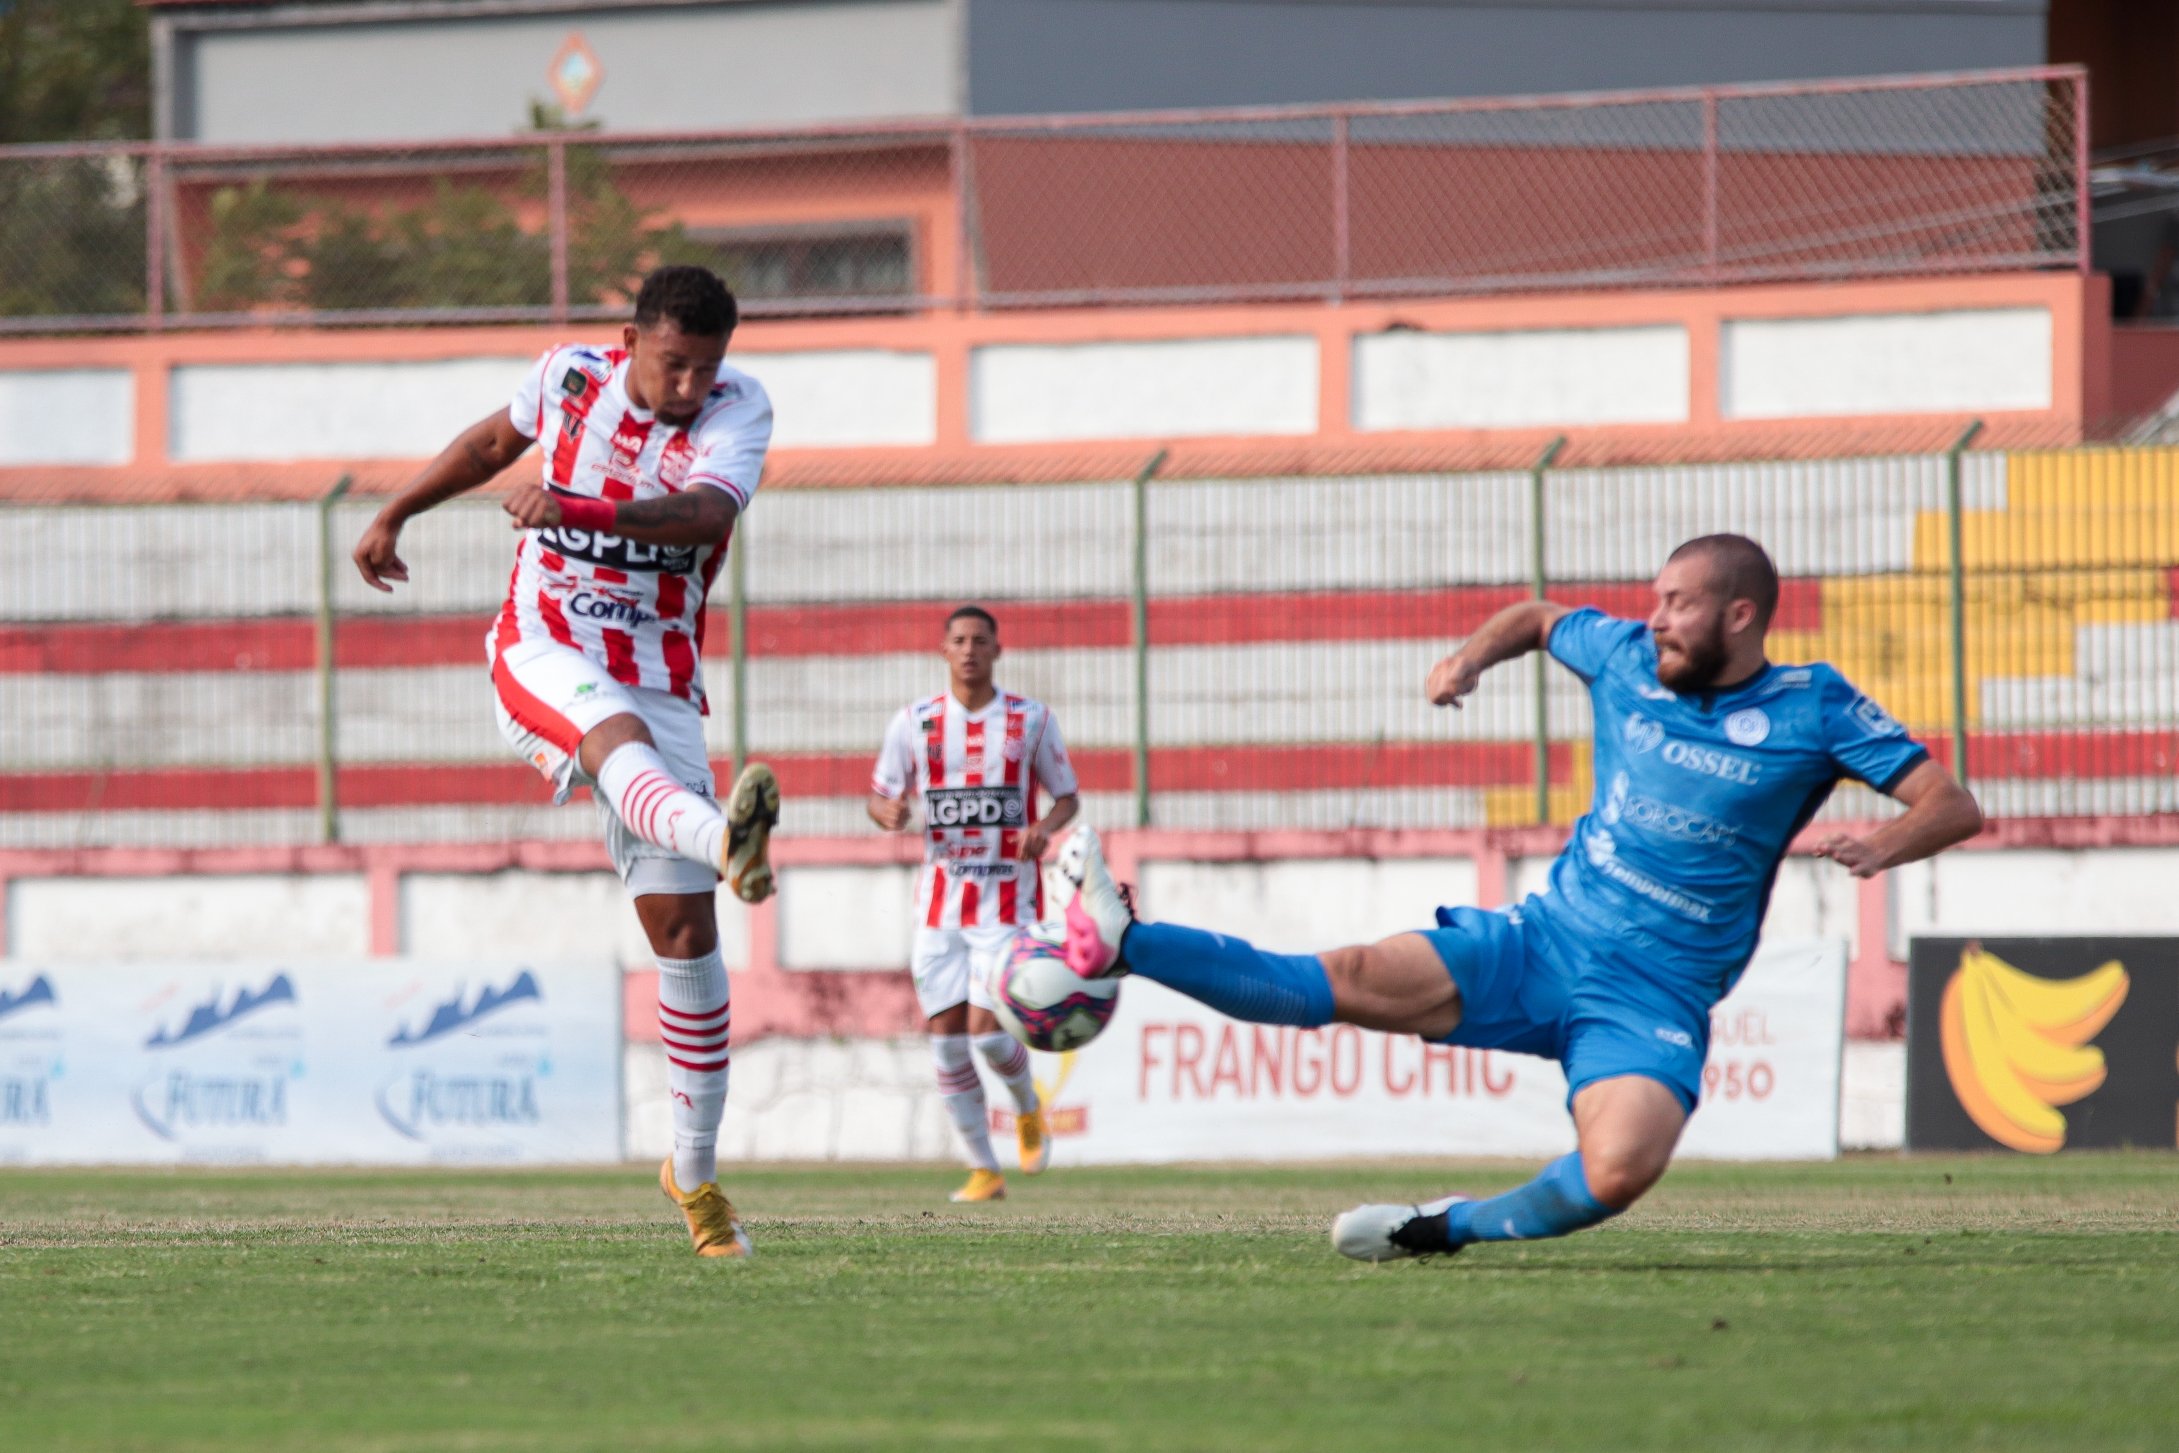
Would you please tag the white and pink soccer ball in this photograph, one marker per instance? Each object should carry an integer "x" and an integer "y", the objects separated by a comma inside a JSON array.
[{"x": 1045, "y": 1004}]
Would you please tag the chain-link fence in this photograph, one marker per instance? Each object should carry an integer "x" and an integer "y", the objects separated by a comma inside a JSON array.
[
  {"x": 1900, "y": 176},
  {"x": 1219, "y": 652}
]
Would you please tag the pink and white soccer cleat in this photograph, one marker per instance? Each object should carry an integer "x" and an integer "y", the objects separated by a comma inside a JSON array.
[{"x": 1098, "y": 913}]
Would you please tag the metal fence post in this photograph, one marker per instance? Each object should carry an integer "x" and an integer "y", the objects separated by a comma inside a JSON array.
[
  {"x": 155, "y": 225},
  {"x": 737, "y": 622},
  {"x": 1538, "y": 577},
  {"x": 1141, "y": 589},
  {"x": 1709, "y": 187},
  {"x": 1956, "y": 593},
  {"x": 556, "y": 222},
  {"x": 1342, "y": 217},
  {"x": 328, "y": 739}
]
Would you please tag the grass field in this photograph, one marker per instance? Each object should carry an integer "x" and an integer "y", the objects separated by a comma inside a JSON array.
[{"x": 1877, "y": 1303}]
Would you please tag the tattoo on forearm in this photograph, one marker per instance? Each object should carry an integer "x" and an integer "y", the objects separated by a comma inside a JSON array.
[{"x": 704, "y": 513}]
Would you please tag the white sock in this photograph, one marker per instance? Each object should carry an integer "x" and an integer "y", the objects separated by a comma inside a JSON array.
[
  {"x": 694, "y": 1015},
  {"x": 1009, "y": 1060},
  {"x": 657, "y": 808},
  {"x": 963, "y": 1093}
]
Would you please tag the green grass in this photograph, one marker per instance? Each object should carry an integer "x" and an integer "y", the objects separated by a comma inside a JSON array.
[{"x": 1912, "y": 1304}]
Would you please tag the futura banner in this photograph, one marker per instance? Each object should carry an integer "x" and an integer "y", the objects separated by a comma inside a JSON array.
[{"x": 384, "y": 1061}]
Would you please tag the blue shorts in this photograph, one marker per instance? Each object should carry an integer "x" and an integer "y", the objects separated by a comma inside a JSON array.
[{"x": 1525, "y": 988}]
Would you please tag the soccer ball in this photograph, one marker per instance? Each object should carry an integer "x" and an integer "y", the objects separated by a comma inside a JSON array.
[{"x": 1045, "y": 1004}]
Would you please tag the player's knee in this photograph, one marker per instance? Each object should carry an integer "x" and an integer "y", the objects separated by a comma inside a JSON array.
[
  {"x": 1619, "y": 1175},
  {"x": 1356, "y": 983},
  {"x": 609, "y": 736}
]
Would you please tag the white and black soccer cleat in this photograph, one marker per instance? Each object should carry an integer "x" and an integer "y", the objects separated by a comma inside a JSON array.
[
  {"x": 1393, "y": 1233},
  {"x": 1099, "y": 912}
]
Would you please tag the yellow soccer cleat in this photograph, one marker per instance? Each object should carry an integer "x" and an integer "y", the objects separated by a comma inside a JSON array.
[
  {"x": 713, "y": 1225},
  {"x": 981, "y": 1185},
  {"x": 752, "y": 811},
  {"x": 1035, "y": 1141}
]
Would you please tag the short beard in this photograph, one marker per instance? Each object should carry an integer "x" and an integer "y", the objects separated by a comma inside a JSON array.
[{"x": 1701, "y": 663}]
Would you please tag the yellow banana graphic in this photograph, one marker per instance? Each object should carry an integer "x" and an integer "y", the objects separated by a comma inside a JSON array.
[
  {"x": 2013, "y": 1045},
  {"x": 2070, "y": 1011},
  {"x": 1048, "y": 1091}
]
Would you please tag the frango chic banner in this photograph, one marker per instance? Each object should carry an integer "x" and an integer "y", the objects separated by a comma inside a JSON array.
[
  {"x": 375, "y": 1061},
  {"x": 1172, "y": 1080}
]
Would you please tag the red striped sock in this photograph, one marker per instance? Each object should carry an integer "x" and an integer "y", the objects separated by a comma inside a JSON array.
[
  {"x": 695, "y": 1013},
  {"x": 658, "y": 808},
  {"x": 963, "y": 1093},
  {"x": 1009, "y": 1060}
]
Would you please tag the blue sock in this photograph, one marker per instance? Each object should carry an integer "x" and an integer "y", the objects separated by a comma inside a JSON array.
[
  {"x": 1231, "y": 975},
  {"x": 1556, "y": 1202}
]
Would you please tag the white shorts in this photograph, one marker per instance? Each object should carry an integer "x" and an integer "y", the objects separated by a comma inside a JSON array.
[
  {"x": 548, "y": 696},
  {"x": 957, "y": 966}
]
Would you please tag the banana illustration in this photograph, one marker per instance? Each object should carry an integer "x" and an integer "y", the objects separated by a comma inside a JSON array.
[{"x": 2015, "y": 1045}]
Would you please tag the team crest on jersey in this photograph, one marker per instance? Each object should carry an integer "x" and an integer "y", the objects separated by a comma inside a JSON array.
[{"x": 1747, "y": 728}]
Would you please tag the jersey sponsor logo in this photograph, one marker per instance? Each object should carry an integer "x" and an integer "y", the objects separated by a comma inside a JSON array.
[
  {"x": 1748, "y": 727},
  {"x": 599, "y": 548},
  {"x": 574, "y": 383},
  {"x": 1679, "y": 1037},
  {"x": 1005, "y": 868},
  {"x": 613, "y": 609},
  {"x": 1602, "y": 851},
  {"x": 1623, "y": 805},
  {"x": 998, "y": 806},
  {"x": 1642, "y": 734},
  {"x": 1874, "y": 719},
  {"x": 1710, "y": 762}
]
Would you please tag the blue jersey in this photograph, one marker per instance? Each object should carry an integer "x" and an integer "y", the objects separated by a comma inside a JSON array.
[{"x": 1697, "y": 798}]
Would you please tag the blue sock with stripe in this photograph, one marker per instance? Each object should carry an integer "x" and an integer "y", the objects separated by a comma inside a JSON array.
[
  {"x": 1556, "y": 1202},
  {"x": 1231, "y": 975}
]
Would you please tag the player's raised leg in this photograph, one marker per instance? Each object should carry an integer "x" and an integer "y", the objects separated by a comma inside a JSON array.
[
  {"x": 619, "y": 755},
  {"x": 1626, "y": 1128},
  {"x": 1399, "y": 984}
]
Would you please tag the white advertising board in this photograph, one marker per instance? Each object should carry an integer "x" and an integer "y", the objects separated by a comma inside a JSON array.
[
  {"x": 379, "y": 1061},
  {"x": 1172, "y": 1080}
]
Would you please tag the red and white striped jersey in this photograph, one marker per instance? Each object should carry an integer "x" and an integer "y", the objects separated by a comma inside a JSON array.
[
  {"x": 978, "y": 774},
  {"x": 635, "y": 609}
]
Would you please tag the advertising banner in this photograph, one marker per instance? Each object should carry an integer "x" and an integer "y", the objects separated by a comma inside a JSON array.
[
  {"x": 2042, "y": 1044},
  {"x": 378, "y": 1061},
  {"x": 1172, "y": 1080}
]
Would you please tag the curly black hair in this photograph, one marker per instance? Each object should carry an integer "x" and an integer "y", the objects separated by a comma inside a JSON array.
[{"x": 693, "y": 297}]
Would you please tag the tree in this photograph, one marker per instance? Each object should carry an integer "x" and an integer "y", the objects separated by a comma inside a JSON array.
[
  {"x": 72, "y": 228},
  {"x": 74, "y": 70}
]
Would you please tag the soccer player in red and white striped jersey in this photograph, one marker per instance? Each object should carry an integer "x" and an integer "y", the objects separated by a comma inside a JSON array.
[
  {"x": 974, "y": 757},
  {"x": 652, "y": 451}
]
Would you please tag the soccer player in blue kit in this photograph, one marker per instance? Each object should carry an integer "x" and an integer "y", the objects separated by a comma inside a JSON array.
[{"x": 1709, "y": 761}]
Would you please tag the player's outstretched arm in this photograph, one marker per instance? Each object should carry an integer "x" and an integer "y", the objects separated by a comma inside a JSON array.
[
  {"x": 697, "y": 516},
  {"x": 1940, "y": 812},
  {"x": 1039, "y": 837},
  {"x": 1514, "y": 631},
  {"x": 475, "y": 457}
]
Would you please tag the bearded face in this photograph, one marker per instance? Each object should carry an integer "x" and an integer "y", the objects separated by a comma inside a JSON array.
[{"x": 1691, "y": 651}]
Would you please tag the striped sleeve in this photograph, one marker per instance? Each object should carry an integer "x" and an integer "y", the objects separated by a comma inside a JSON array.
[
  {"x": 527, "y": 409},
  {"x": 731, "y": 442}
]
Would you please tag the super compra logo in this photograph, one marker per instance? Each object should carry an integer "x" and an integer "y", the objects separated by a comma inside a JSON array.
[{"x": 2016, "y": 1047}]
